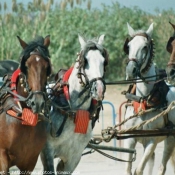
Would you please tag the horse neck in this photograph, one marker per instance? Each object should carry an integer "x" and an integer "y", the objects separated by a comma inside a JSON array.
[
  {"x": 143, "y": 89},
  {"x": 75, "y": 88}
]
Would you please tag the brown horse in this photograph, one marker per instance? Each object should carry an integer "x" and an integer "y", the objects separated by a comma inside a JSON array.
[
  {"x": 170, "y": 70},
  {"x": 22, "y": 135}
]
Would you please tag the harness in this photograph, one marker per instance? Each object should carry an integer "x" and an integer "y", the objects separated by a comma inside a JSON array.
[
  {"x": 156, "y": 99},
  {"x": 60, "y": 94},
  {"x": 10, "y": 101}
]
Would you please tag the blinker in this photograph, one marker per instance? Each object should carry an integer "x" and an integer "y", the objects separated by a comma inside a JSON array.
[
  {"x": 25, "y": 90},
  {"x": 21, "y": 80}
]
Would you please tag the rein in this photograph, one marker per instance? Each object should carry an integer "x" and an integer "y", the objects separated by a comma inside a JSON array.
[
  {"x": 89, "y": 85},
  {"x": 135, "y": 80}
]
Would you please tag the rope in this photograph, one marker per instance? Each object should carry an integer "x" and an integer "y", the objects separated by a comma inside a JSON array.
[
  {"x": 135, "y": 115},
  {"x": 109, "y": 133},
  {"x": 170, "y": 107},
  {"x": 111, "y": 157}
]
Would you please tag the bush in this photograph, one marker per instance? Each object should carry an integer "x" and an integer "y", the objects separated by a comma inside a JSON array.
[{"x": 64, "y": 21}]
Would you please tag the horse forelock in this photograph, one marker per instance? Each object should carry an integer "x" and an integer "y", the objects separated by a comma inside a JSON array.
[
  {"x": 38, "y": 44},
  {"x": 138, "y": 32},
  {"x": 92, "y": 45}
]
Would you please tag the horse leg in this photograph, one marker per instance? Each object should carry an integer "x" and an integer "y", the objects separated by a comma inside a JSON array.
[
  {"x": 69, "y": 166},
  {"x": 60, "y": 166},
  {"x": 129, "y": 143},
  {"x": 151, "y": 163},
  {"x": 4, "y": 169},
  {"x": 27, "y": 165},
  {"x": 169, "y": 144},
  {"x": 149, "y": 150},
  {"x": 66, "y": 167},
  {"x": 48, "y": 162},
  {"x": 173, "y": 160}
]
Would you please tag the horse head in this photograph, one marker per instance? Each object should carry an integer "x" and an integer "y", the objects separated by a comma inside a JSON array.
[
  {"x": 139, "y": 48},
  {"x": 35, "y": 67},
  {"x": 90, "y": 68},
  {"x": 170, "y": 70}
]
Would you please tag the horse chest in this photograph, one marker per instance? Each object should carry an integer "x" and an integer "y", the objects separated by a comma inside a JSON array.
[{"x": 61, "y": 146}]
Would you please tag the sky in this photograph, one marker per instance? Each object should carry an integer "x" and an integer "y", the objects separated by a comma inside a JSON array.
[{"x": 145, "y": 5}]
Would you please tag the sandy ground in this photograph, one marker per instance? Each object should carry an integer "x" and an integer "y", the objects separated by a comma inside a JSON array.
[{"x": 97, "y": 164}]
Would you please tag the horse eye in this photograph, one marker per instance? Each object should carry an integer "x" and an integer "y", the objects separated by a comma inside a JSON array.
[
  {"x": 145, "y": 49},
  {"x": 26, "y": 65},
  {"x": 85, "y": 61}
]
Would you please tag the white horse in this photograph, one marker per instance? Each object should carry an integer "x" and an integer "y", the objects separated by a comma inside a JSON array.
[
  {"x": 140, "y": 55},
  {"x": 74, "y": 113}
]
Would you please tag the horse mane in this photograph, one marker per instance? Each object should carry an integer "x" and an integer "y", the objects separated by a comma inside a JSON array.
[
  {"x": 137, "y": 32},
  {"x": 37, "y": 43}
]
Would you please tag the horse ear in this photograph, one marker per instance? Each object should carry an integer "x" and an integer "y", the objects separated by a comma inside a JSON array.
[
  {"x": 125, "y": 46},
  {"x": 169, "y": 46},
  {"x": 101, "y": 39},
  {"x": 150, "y": 30},
  {"x": 82, "y": 41},
  {"x": 172, "y": 25},
  {"x": 130, "y": 30},
  {"x": 23, "y": 43},
  {"x": 47, "y": 41}
]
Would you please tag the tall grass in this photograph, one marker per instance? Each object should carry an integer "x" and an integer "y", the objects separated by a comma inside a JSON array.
[{"x": 63, "y": 21}]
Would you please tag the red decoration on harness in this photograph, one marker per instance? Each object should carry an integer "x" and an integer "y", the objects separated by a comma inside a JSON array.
[
  {"x": 12, "y": 113},
  {"x": 65, "y": 79},
  {"x": 29, "y": 118},
  {"x": 14, "y": 80},
  {"x": 81, "y": 121},
  {"x": 139, "y": 106}
]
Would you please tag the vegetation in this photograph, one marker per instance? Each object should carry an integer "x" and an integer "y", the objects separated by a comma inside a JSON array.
[{"x": 65, "y": 20}]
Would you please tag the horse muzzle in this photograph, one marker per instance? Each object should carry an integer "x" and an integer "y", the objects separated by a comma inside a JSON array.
[
  {"x": 98, "y": 90},
  {"x": 131, "y": 70},
  {"x": 170, "y": 71},
  {"x": 37, "y": 102}
]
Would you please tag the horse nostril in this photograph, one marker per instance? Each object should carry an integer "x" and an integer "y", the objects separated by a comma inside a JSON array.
[
  {"x": 134, "y": 70},
  {"x": 42, "y": 106},
  {"x": 32, "y": 103}
]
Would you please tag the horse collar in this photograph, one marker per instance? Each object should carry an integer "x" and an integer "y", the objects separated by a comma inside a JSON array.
[
  {"x": 65, "y": 80},
  {"x": 14, "y": 77}
]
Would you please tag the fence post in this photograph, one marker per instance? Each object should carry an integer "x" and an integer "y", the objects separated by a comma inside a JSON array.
[{"x": 114, "y": 115}]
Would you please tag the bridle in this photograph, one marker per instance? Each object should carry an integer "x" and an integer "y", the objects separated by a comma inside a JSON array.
[
  {"x": 139, "y": 64},
  {"x": 23, "y": 83},
  {"x": 88, "y": 84},
  {"x": 23, "y": 78},
  {"x": 140, "y": 70}
]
